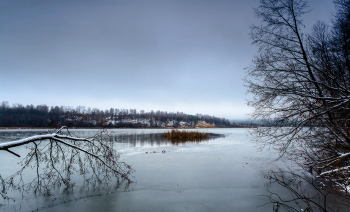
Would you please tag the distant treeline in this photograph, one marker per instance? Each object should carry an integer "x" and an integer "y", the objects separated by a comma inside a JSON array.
[{"x": 19, "y": 115}]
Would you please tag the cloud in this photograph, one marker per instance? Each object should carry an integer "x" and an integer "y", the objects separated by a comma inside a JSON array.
[{"x": 174, "y": 55}]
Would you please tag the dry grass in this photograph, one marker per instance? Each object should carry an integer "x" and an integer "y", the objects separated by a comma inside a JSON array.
[{"x": 184, "y": 135}]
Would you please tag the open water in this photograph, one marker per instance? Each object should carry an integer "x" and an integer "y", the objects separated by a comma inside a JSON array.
[{"x": 222, "y": 174}]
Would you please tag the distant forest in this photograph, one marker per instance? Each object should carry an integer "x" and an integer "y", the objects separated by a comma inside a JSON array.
[{"x": 19, "y": 115}]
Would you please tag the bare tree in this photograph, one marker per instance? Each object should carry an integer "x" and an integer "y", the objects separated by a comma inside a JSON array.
[
  {"x": 301, "y": 87},
  {"x": 57, "y": 156}
]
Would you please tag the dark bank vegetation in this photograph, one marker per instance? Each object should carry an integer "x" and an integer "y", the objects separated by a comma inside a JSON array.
[
  {"x": 19, "y": 115},
  {"x": 304, "y": 79}
]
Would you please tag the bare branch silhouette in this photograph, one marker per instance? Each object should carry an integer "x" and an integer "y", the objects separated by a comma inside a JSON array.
[{"x": 56, "y": 157}]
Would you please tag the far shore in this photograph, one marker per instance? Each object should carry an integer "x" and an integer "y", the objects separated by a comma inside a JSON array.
[{"x": 46, "y": 128}]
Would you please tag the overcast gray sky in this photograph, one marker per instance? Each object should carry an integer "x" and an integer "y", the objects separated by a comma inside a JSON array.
[{"x": 174, "y": 55}]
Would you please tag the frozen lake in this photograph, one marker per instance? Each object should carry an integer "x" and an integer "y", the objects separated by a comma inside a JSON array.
[{"x": 223, "y": 174}]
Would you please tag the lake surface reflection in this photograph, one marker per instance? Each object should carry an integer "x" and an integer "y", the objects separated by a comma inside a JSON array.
[{"x": 224, "y": 173}]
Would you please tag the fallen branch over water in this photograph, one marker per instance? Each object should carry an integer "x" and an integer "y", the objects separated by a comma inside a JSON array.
[{"x": 56, "y": 157}]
